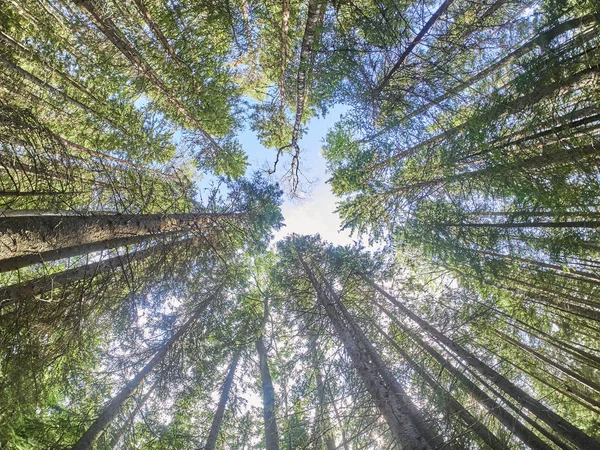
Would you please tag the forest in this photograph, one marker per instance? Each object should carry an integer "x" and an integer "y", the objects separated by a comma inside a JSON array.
[{"x": 148, "y": 300}]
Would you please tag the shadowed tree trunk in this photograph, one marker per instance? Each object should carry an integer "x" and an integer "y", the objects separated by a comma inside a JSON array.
[
  {"x": 213, "y": 434},
  {"x": 561, "y": 426},
  {"x": 392, "y": 407},
  {"x": 29, "y": 240},
  {"x": 112, "y": 409},
  {"x": 270, "y": 422}
]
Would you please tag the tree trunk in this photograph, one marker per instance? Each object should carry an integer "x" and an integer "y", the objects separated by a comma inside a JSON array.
[
  {"x": 20, "y": 236},
  {"x": 410, "y": 47},
  {"x": 270, "y": 422},
  {"x": 108, "y": 28},
  {"x": 213, "y": 434},
  {"x": 564, "y": 428},
  {"x": 541, "y": 39},
  {"x": 53, "y": 90},
  {"x": 391, "y": 407},
  {"x": 114, "y": 441},
  {"x": 495, "y": 409},
  {"x": 322, "y": 422},
  {"x": 312, "y": 22},
  {"x": 454, "y": 406},
  {"x": 87, "y": 440},
  {"x": 18, "y": 262},
  {"x": 47, "y": 283}
]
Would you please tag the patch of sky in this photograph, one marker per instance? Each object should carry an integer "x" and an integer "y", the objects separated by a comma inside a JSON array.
[{"x": 313, "y": 210}]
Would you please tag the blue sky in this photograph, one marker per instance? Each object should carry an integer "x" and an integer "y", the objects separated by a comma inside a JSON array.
[{"x": 315, "y": 212}]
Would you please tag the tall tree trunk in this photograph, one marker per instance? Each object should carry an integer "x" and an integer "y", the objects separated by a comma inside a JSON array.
[
  {"x": 496, "y": 410},
  {"x": 541, "y": 39},
  {"x": 270, "y": 422},
  {"x": 410, "y": 47},
  {"x": 47, "y": 283},
  {"x": 53, "y": 90},
  {"x": 18, "y": 262},
  {"x": 114, "y": 441},
  {"x": 87, "y": 440},
  {"x": 562, "y": 427},
  {"x": 433, "y": 439},
  {"x": 213, "y": 434},
  {"x": 392, "y": 408},
  {"x": 454, "y": 406},
  {"x": 109, "y": 29},
  {"x": 21, "y": 236},
  {"x": 322, "y": 422}
]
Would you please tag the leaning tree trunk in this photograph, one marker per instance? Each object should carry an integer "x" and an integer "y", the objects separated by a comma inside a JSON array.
[
  {"x": 453, "y": 405},
  {"x": 435, "y": 441},
  {"x": 123, "y": 428},
  {"x": 562, "y": 427},
  {"x": 527, "y": 436},
  {"x": 29, "y": 240},
  {"x": 213, "y": 434},
  {"x": 392, "y": 408},
  {"x": 110, "y": 30},
  {"x": 112, "y": 409}
]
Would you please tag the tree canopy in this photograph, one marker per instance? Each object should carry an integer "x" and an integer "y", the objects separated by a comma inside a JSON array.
[{"x": 144, "y": 302}]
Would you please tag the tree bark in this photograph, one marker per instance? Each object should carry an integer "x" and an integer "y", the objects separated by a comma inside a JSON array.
[
  {"x": 270, "y": 422},
  {"x": 114, "y": 441},
  {"x": 213, "y": 434},
  {"x": 391, "y": 407},
  {"x": 87, "y": 440},
  {"x": 21, "y": 236},
  {"x": 564, "y": 428}
]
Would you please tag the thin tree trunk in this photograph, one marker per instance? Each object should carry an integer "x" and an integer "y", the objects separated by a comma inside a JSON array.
[
  {"x": 48, "y": 87},
  {"x": 112, "y": 409},
  {"x": 213, "y": 434},
  {"x": 285, "y": 18},
  {"x": 502, "y": 415},
  {"x": 564, "y": 428},
  {"x": 566, "y": 370},
  {"x": 312, "y": 22},
  {"x": 322, "y": 421},
  {"x": 108, "y": 28},
  {"x": 47, "y": 283},
  {"x": 123, "y": 428},
  {"x": 410, "y": 47},
  {"x": 540, "y": 40},
  {"x": 455, "y": 407}
]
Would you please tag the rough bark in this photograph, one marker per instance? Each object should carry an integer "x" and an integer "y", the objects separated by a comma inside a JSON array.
[
  {"x": 454, "y": 405},
  {"x": 393, "y": 410},
  {"x": 20, "y": 236}
]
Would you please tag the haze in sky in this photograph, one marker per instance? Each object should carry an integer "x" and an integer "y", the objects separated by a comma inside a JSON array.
[{"x": 315, "y": 212}]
